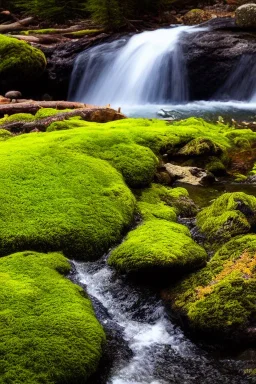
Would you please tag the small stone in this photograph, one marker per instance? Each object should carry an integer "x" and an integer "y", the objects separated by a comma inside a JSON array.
[{"x": 13, "y": 95}]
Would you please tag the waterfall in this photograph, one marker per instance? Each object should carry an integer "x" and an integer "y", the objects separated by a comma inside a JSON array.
[
  {"x": 147, "y": 68},
  {"x": 241, "y": 83}
]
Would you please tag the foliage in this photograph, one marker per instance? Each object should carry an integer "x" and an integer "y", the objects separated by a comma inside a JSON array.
[
  {"x": 19, "y": 59},
  {"x": 221, "y": 297},
  {"x": 48, "y": 330}
]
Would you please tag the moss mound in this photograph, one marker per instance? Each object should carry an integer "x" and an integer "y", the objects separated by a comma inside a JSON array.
[
  {"x": 49, "y": 333},
  {"x": 19, "y": 60},
  {"x": 55, "y": 197},
  {"x": 230, "y": 215},
  {"x": 220, "y": 299},
  {"x": 164, "y": 203},
  {"x": 200, "y": 147},
  {"x": 158, "y": 243}
]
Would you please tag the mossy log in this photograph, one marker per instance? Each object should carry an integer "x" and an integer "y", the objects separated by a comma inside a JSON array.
[{"x": 99, "y": 115}]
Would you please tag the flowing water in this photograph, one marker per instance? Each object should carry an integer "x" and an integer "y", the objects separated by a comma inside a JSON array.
[
  {"x": 133, "y": 72},
  {"x": 146, "y": 76},
  {"x": 160, "y": 352}
]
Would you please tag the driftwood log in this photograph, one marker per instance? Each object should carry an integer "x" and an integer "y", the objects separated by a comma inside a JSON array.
[
  {"x": 16, "y": 26},
  {"x": 99, "y": 115},
  {"x": 31, "y": 106}
]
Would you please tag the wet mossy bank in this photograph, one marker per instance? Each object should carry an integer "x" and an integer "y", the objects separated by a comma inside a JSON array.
[{"x": 76, "y": 189}]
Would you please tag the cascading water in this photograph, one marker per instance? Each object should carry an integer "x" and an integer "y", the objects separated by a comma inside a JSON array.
[
  {"x": 241, "y": 83},
  {"x": 149, "y": 68},
  {"x": 161, "y": 354}
]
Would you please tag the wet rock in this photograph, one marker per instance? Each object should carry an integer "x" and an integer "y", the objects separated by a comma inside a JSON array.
[
  {"x": 13, "y": 95},
  {"x": 246, "y": 16},
  {"x": 212, "y": 55},
  {"x": 189, "y": 175}
]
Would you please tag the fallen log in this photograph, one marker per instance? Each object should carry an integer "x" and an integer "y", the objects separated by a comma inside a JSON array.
[
  {"x": 99, "y": 115},
  {"x": 16, "y": 26},
  {"x": 44, "y": 39},
  {"x": 31, "y": 106}
]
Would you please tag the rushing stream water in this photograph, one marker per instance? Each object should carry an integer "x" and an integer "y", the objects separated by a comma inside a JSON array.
[{"x": 161, "y": 353}]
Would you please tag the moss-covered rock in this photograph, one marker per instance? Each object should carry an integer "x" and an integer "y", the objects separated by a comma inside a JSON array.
[
  {"x": 220, "y": 299},
  {"x": 196, "y": 16},
  {"x": 165, "y": 203},
  {"x": 19, "y": 61},
  {"x": 56, "y": 197},
  {"x": 48, "y": 330},
  {"x": 229, "y": 215},
  {"x": 215, "y": 166},
  {"x": 200, "y": 147},
  {"x": 158, "y": 244}
]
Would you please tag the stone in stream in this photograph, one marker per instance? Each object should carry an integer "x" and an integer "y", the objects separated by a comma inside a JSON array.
[{"x": 189, "y": 175}]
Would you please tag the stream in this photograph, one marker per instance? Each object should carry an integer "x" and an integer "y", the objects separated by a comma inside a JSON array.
[{"x": 160, "y": 352}]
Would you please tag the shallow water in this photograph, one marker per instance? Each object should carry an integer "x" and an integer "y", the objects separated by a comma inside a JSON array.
[{"x": 160, "y": 352}]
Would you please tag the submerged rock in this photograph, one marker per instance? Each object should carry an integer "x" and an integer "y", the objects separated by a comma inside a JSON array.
[
  {"x": 219, "y": 300},
  {"x": 246, "y": 16},
  {"x": 189, "y": 175},
  {"x": 49, "y": 332}
]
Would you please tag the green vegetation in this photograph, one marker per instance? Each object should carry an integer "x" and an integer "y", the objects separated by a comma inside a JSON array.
[
  {"x": 20, "y": 60},
  {"x": 230, "y": 215},
  {"x": 65, "y": 190},
  {"x": 158, "y": 243},
  {"x": 49, "y": 333},
  {"x": 221, "y": 297},
  {"x": 164, "y": 203}
]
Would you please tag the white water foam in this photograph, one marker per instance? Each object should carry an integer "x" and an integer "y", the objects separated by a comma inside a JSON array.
[{"x": 150, "y": 68}]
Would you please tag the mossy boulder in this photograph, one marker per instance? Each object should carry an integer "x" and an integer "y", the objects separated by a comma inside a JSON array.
[
  {"x": 200, "y": 147},
  {"x": 219, "y": 300},
  {"x": 49, "y": 332},
  {"x": 158, "y": 244},
  {"x": 165, "y": 202},
  {"x": 229, "y": 215},
  {"x": 246, "y": 16},
  {"x": 19, "y": 61},
  {"x": 56, "y": 197}
]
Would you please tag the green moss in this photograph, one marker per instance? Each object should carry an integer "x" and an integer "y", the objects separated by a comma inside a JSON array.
[
  {"x": 17, "y": 117},
  {"x": 164, "y": 202},
  {"x": 20, "y": 61},
  {"x": 220, "y": 298},
  {"x": 48, "y": 330},
  {"x": 231, "y": 214},
  {"x": 47, "y": 31},
  {"x": 86, "y": 32},
  {"x": 56, "y": 197},
  {"x": 200, "y": 147},
  {"x": 4, "y": 135},
  {"x": 158, "y": 243},
  {"x": 46, "y": 112},
  {"x": 215, "y": 166}
]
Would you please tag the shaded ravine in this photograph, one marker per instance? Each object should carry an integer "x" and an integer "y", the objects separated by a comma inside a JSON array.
[{"x": 161, "y": 353}]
